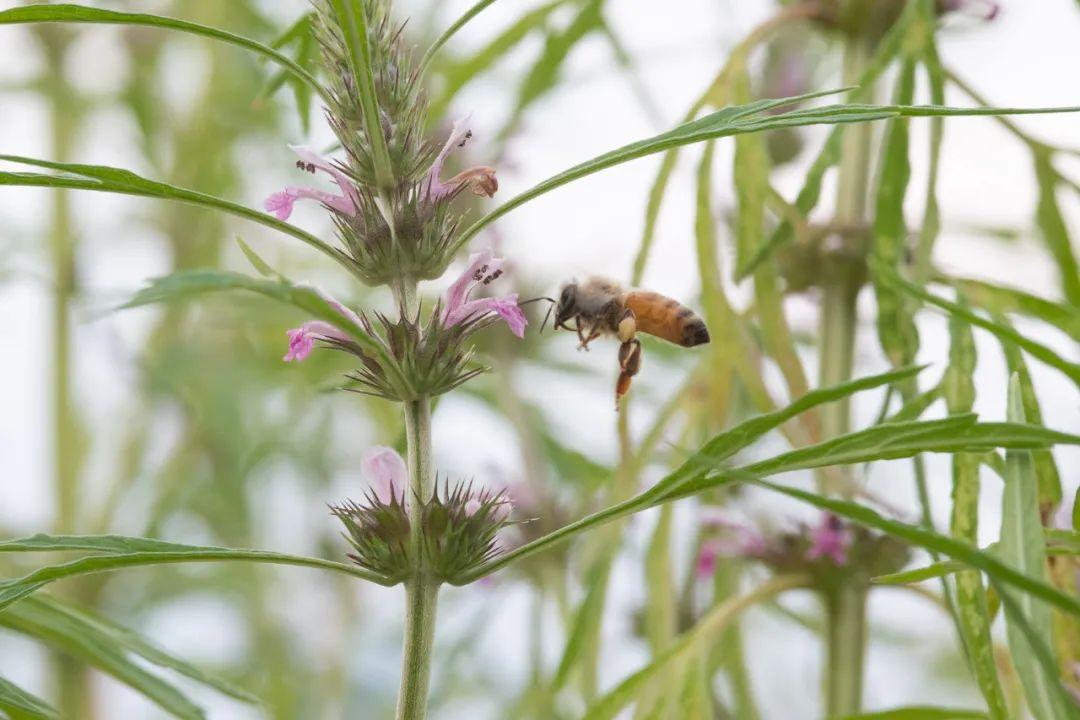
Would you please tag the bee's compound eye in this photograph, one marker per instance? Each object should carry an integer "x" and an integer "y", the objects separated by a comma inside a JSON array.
[
  {"x": 568, "y": 297},
  {"x": 565, "y": 308}
]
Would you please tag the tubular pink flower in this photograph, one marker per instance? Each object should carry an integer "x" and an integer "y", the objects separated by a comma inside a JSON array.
[
  {"x": 830, "y": 539},
  {"x": 281, "y": 203},
  {"x": 482, "y": 270},
  {"x": 481, "y": 179},
  {"x": 385, "y": 471},
  {"x": 302, "y": 339}
]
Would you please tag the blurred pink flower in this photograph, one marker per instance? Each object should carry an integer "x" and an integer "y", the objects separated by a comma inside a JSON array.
[
  {"x": 281, "y": 203},
  {"x": 500, "y": 511},
  {"x": 736, "y": 539},
  {"x": 385, "y": 471},
  {"x": 481, "y": 179},
  {"x": 984, "y": 9},
  {"x": 707, "y": 557},
  {"x": 483, "y": 269},
  {"x": 830, "y": 539}
]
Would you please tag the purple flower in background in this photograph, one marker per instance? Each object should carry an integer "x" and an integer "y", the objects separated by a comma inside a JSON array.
[
  {"x": 280, "y": 204},
  {"x": 707, "y": 557},
  {"x": 385, "y": 471},
  {"x": 830, "y": 539},
  {"x": 482, "y": 270},
  {"x": 481, "y": 179}
]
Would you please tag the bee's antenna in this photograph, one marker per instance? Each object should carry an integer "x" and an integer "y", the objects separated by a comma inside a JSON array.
[
  {"x": 550, "y": 308},
  {"x": 547, "y": 315}
]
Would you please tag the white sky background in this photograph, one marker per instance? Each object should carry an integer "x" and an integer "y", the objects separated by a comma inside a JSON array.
[{"x": 1028, "y": 57}]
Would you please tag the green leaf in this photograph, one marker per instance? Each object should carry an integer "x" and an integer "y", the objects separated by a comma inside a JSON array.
[
  {"x": 652, "y": 214},
  {"x": 457, "y": 74},
  {"x": 102, "y": 178},
  {"x": 920, "y": 713},
  {"x": 901, "y": 440},
  {"x": 807, "y": 199},
  {"x": 705, "y": 469},
  {"x": 451, "y": 31},
  {"x": 998, "y": 299},
  {"x": 1022, "y": 546},
  {"x": 734, "y": 120},
  {"x": 1046, "y": 471},
  {"x": 751, "y": 172},
  {"x": 260, "y": 265},
  {"x": 543, "y": 76},
  {"x": 584, "y": 628},
  {"x": 929, "y": 572},
  {"x": 75, "y": 639},
  {"x": 189, "y": 283},
  {"x": 930, "y": 540},
  {"x": 683, "y": 650},
  {"x": 972, "y": 608},
  {"x": 23, "y": 705},
  {"x": 84, "y": 624},
  {"x": 81, "y": 14},
  {"x": 1054, "y": 230},
  {"x": 661, "y": 606},
  {"x": 1004, "y": 332},
  {"x": 352, "y": 20},
  {"x": 134, "y": 552},
  {"x": 895, "y": 319},
  {"x": 741, "y": 436}
]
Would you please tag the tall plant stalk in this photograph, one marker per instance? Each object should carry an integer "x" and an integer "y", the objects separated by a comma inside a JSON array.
[
  {"x": 73, "y": 682},
  {"x": 846, "y": 607},
  {"x": 421, "y": 590}
]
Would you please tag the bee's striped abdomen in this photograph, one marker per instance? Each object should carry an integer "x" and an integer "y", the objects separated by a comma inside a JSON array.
[{"x": 666, "y": 318}]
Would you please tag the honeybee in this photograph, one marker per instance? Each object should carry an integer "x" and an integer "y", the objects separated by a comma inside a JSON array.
[{"x": 602, "y": 307}]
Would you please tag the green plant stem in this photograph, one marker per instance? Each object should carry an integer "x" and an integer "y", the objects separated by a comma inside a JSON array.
[
  {"x": 422, "y": 589},
  {"x": 845, "y": 274},
  {"x": 845, "y": 617},
  {"x": 74, "y": 694}
]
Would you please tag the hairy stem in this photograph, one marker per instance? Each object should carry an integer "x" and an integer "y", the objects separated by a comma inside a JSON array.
[{"x": 421, "y": 590}]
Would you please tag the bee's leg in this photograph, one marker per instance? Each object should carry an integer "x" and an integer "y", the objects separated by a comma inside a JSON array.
[
  {"x": 594, "y": 333},
  {"x": 629, "y": 365},
  {"x": 630, "y": 357},
  {"x": 627, "y": 326}
]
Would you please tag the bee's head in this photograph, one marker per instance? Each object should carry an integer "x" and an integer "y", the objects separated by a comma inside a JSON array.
[{"x": 566, "y": 307}]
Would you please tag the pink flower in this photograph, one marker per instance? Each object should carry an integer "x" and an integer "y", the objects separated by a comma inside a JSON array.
[
  {"x": 457, "y": 307},
  {"x": 281, "y": 203},
  {"x": 481, "y": 179},
  {"x": 983, "y": 9},
  {"x": 499, "y": 512},
  {"x": 706, "y": 559},
  {"x": 830, "y": 539},
  {"x": 385, "y": 471},
  {"x": 736, "y": 540},
  {"x": 302, "y": 339}
]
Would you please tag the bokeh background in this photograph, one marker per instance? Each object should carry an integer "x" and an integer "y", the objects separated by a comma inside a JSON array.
[{"x": 183, "y": 423}]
